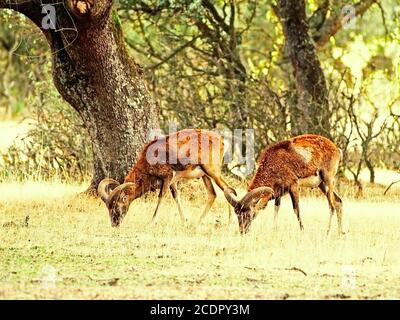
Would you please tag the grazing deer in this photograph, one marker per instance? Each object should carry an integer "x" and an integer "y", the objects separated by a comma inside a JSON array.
[
  {"x": 308, "y": 161},
  {"x": 190, "y": 154}
]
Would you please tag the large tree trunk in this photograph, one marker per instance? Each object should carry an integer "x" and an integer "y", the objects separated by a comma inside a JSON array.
[
  {"x": 311, "y": 113},
  {"x": 93, "y": 72}
]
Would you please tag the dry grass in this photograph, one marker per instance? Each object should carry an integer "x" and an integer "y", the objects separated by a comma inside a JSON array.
[
  {"x": 11, "y": 132},
  {"x": 72, "y": 234}
]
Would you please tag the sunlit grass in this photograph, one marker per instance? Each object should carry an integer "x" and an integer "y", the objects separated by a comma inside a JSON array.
[{"x": 71, "y": 233}]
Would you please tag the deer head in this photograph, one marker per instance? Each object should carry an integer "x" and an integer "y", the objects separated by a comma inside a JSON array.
[
  {"x": 245, "y": 208},
  {"x": 117, "y": 198}
]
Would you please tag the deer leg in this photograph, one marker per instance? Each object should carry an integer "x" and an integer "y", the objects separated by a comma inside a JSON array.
[
  {"x": 276, "y": 211},
  {"x": 211, "y": 196},
  {"x": 214, "y": 172},
  {"x": 163, "y": 190},
  {"x": 294, "y": 195},
  {"x": 322, "y": 186},
  {"x": 175, "y": 195},
  {"x": 339, "y": 212},
  {"x": 334, "y": 201}
]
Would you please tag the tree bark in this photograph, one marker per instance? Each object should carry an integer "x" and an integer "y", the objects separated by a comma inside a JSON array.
[
  {"x": 311, "y": 113},
  {"x": 94, "y": 74}
]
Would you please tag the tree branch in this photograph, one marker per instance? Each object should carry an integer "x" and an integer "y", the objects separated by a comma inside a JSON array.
[
  {"x": 383, "y": 15},
  {"x": 141, "y": 6},
  {"x": 208, "y": 5},
  {"x": 334, "y": 23},
  {"x": 318, "y": 18},
  {"x": 387, "y": 189},
  {"x": 173, "y": 53}
]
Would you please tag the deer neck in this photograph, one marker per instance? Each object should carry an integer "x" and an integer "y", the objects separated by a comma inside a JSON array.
[
  {"x": 142, "y": 183},
  {"x": 259, "y": 181}
]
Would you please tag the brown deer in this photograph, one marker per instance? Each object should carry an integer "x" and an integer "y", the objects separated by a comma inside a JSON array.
[
  {"x": 190, "y": 153},
  {"x": 306, "y": 160}
]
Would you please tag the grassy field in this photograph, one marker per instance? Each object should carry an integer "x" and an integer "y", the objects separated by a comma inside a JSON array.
[{"x": 57, "y": 244}]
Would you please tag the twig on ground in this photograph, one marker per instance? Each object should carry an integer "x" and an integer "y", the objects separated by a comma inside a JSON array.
[{"x": 297, "y": 269}]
